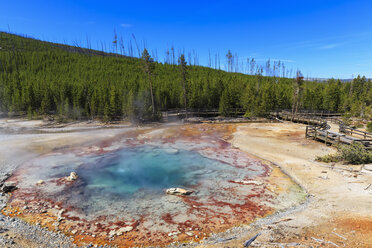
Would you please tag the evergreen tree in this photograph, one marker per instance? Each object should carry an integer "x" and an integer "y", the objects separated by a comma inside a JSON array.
[
  {"x": 183, "y": 70},
  {"x": 148, "y": 67},
  {"x": 297, "y": 92}
]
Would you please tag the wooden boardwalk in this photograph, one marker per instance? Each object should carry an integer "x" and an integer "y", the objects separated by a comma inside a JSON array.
[
  {"x": 181, "y": 113},
  {"x": 317, "y": 128},
  {"x": 299, "y": 118},
  {"x": 351, "y": 131},
  {"x": 334, "y": 138}
]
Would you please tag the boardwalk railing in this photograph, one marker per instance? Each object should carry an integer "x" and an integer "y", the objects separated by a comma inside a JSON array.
[
  {"x": 318, "y": 128},
  {"x": 335, "y": 120},
  {"x": 307, "y": 119},
  {"x": 329, "y": 137},
  {"x": 319, "y": 113},
  {"x": 351, "y": 131},
  {"x": 180, "y": 113}
]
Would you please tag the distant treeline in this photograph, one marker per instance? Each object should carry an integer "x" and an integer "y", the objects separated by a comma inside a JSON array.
[{"x": 39, "y": 78}]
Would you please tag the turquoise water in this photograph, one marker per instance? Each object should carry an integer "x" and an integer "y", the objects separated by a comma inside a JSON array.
[
  {"x": 129, "y": 183},
  {"x": 147, "y": 169}
]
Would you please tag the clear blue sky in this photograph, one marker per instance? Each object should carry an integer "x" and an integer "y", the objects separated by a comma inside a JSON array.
[{"x": 323, "y": 38}]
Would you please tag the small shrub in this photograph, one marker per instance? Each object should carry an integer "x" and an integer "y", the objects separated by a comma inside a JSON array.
[
  {"x": 347, "y": 119},
  {"x": 248, "y": 114},
  {"x": 358, "y": 124},
  {"x": 353, "y": 154},
  {"x": 328, "y": 158},
  {"x": 369, "y": 127}
]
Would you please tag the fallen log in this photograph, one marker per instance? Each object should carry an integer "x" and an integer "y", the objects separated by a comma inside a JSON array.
[
  {"x": 321, "y": 241},
  {"x": 250, "y": 241},
  {"x": 282, "y": 220},
  {"x": 367, "y": 187},
  {"x": 339, "y": 235}
]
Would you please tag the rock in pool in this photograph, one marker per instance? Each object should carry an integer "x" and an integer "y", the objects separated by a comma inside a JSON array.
[
  {"x": 124, "y": 230},
  {"x": 9, "y": 187},
  {"x": 178, "y": 191},
  {"x": 72, "y": 177},
  {"x": 249, "y": 182},
  {"x": 171, "y": 151},
  {"x": 40, "y": 182}
]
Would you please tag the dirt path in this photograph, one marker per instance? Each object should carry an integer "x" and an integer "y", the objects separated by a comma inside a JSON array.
[{"x": 339, "y": 210}]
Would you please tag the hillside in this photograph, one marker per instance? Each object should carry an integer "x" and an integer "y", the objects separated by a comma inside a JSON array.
[{"x": 39, "y": 78}]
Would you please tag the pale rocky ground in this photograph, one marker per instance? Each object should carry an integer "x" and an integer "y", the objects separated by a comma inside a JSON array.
[{"x": 338, "y": 212}]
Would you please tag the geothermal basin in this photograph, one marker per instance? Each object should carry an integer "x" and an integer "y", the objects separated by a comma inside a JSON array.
[{"x": 119, "y": 195}]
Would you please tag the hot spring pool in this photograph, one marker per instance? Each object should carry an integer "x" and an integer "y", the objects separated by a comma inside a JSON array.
[
  {"x": 131, "y": 181},
  {"x": 119, "y": 197},
  {"x": 148, "y": 169}
]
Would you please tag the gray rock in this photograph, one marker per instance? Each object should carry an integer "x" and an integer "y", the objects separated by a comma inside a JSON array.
[
  {"x": 72, "y": 177},
  {"x": 178, "y": 191},
  {"x": 9, "y": 187}
]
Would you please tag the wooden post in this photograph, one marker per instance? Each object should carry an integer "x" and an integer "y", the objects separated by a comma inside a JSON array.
[
  {"x": 307, "y": 127},
  {"x": 325, "y": 141},
  {"x": 338, "y": 139},
  {"x": 315, "y": 133}
]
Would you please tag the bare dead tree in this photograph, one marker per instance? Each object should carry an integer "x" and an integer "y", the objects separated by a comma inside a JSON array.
[
  {"x": 267, "y": 67},
  {"x": 121, "y": 45},
  {"x": 115, "y": 42},
  {"x": 173, "y": 55},
  {"x": 144, "y": 44},
  {"x": 89, "y": 46},
  {"x": 138, "y": 49},
  {"x": 209, "y": 58},
  {"x": 155, "y": 54},
  {"x": 130, "y": 47},
  {"x": 196, "y": 57},
  {"x": 106, "y": 51},
  {"x": 229, "y": 58},
  {"x": 252, "y": 66},
  {"x": 190, "y": 57},
  {"x": 248, "y": 69},
  {"x": 236, "y": 60},
  {"x": 167, "y": 54},
  {"x": 215, "y": 61}
]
